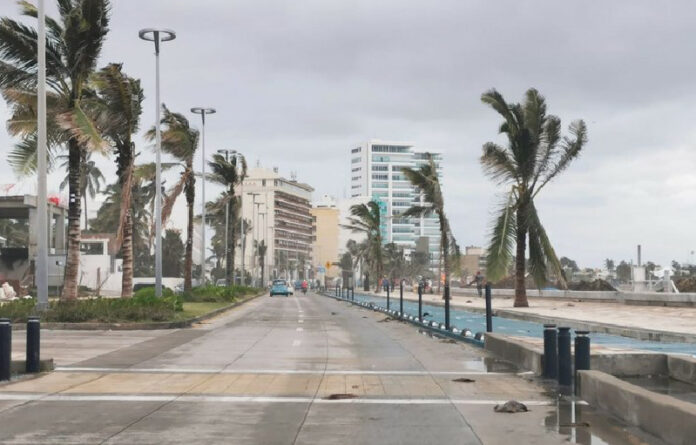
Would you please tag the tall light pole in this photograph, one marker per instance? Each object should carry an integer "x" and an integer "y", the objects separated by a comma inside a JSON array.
[
  {"x": 41, "y": 205},
  {"x": 263, "y": 269},
  {"x": 256, "y": 233},
  {"x": 253, "y": 204},
  {"x": 157, "y": 36},
  {"x": 203, "y": 112}
]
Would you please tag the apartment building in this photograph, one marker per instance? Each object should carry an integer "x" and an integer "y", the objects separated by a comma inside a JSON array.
[
  {"x": 277, "y": 211},
  {"x": 376, "y": 173}
]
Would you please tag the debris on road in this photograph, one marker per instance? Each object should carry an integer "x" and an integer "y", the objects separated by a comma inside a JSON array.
[
  {"x": 464, "y": 380},
  {"x": 511, "y": 406}
]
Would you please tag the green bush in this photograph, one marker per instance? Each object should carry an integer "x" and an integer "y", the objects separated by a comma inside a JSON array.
[
  {"x": 218, "y": 294},
  {"x": 18, "y": 310}
]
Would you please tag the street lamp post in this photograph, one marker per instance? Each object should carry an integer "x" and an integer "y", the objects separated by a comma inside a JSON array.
[
  {"x": 253, "y": 203},
  {"x": 41, "y": 198},
  {"x": 157, "y": 36},
  {"x": 203, "y": 112}
]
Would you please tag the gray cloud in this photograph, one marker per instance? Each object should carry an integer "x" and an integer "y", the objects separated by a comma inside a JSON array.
[{"x": 297, "y": 84}]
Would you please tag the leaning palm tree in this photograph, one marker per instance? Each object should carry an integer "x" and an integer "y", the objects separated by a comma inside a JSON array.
[
  {"x": 366, "y": 218},
  {"x": 426, "y": 180},
  {"x": 535, "y": 154},
  {"x": 229, "y": 173},
  {"x": 118, "y": 107},
  {"x": 180, "y": 140},
  {"x": 73, "y": 45},
  {"x": 90, "y": 182}
]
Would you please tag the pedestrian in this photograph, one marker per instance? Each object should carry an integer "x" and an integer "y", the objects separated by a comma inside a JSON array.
[{"x": 478, "y": 279}]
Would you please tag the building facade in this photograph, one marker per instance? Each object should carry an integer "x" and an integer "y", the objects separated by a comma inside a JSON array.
[
  {"x": 376, "y": 173},
  {"x": 326, "y": 238},
  {"x": 276, "y": 210}
]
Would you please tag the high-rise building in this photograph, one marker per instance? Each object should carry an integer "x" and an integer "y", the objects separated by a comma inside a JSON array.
[
  {"x": 277, "y": 211},
  {"x": 376, "y": 173},
  {"x": 326, "y": 237}
]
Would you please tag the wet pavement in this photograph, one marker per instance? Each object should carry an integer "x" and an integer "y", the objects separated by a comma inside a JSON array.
[{"x": 297, "y": 370}]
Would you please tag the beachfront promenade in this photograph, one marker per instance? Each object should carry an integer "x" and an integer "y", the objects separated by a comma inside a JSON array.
[{"x": 297, "y": 370}]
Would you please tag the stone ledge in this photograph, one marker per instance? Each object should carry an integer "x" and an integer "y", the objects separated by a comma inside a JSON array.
[{"x": 664, "y": 416}]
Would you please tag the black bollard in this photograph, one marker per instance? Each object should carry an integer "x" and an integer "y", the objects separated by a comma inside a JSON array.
[
  {"x": 352, "y": 293},
  {"x": 550, "y": 351},
  {"x": 489, "y": 309},
  {"x": 401, "y": 298},
  {"x": 565, "y": 372},
  {"x": 387, "y": 297},
  {"x": 33, "y": 345},
  {"x": 447, "y": 306},
  {"x": 420, "y": 302},
  {"x": 5, "y": 349},
  {"x": 582, "y": 354}
]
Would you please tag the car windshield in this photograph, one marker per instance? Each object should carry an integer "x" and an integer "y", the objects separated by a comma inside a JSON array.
[{"x": 279, "y": 283}]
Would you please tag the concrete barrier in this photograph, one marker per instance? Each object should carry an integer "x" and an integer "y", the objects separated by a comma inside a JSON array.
[
  {"x": 642, "y": 298},
  {"x": 531, "y": 357},
  {"x": 670, "y": 419},
  {"x": 682, "y": 368}
]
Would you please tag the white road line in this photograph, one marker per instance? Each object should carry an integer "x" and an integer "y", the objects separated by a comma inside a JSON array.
[
  {"x": 276, "y": 371},
  {"x": 300, "y": 321},
  {"x": 299, "y": 329},
  {"x": 296, "y": 342},
  {"x": 252, "y": 399}
]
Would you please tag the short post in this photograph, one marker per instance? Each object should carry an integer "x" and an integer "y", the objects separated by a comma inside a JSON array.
[
  {"x": 5, "y": 349},
  {"x": 582, "y": 354},
  {"x": 565, "y": 373},
  {"x": 352, "y": 293},
  {"x": 420, "y": 301},
  {"x": 550, "y": 351},
  {"x": 401, "y": 298},
  {"x": 447, "y": 306},
  {"x": 387, "y": 296},
  {"x": 33, "y": 345},
  {"x": 489, "y": 309}
]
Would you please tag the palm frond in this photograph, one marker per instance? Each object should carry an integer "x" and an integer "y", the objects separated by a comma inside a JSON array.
[
  {"x": 542, "y": 255},
  {"x": 416, "y": 211},
  {"x": 497, "y": 163},
  {"x": 570, "y": 149},
  {"x": 500, "y": 249},
  {"x": 82, "y": 127},
  {"x": 23, "y": 157}
]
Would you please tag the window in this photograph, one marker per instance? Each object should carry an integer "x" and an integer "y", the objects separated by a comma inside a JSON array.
[
  {"x": 380, "y": 168},
  {"x": 95, "y": 248},
  {"x": 355, "y": 160},
  {"x": 355, "y": 178},
  {"x": 355, "y": 150},
  {"x": 398, "y": 177},
  {"x": 356, "y": 169},
  {"x": 389, "y": 149},
  {"x": 379, "y": 194},
  {"x": 380, "y": 158},
  {"x": 398, "y": 168},
  {"x": 401, "y": 204},
  {"x": 263, "y": 183},
  {"x": 380, "y": 185},
  {"x": 401, "y": 195},
  {"x": 380, "y": 177},
  {"x": 401, "y": 230}
]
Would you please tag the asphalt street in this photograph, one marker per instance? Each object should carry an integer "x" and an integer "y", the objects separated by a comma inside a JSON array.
[{"x": 305, "y": 369}]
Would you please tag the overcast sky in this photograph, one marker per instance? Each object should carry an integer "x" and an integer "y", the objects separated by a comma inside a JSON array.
[{"x": 297, "y": 84}]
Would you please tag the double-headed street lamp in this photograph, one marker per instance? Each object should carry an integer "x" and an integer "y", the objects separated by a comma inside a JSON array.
[
  {"x": 158, "y": 36},
  {"x": 203, "y": 112},
  {"x": 41, "y": 198}
]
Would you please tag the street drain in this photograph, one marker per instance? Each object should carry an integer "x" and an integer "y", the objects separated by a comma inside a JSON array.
[
  {"x": 464, "y": 380},
  {"x": 340, "y": 396}
]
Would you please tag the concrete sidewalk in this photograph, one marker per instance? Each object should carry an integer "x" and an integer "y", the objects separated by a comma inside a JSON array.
[{"x": 677, "y": 320}]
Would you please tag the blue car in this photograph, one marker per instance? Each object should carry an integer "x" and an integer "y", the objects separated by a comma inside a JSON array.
[{"x": 280, "y": 287}]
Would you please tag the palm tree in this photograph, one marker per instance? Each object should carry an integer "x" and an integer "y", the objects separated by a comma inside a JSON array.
[
  {"x": 73, "y": 46},
  {"x": 366, "y": 218},
  {"x": 535, "y": 154},
  {"x": 91, "y": 179},
  {"x": 261, "y": 249},
  {"x": 118, "y": 106},
  {"x": 180, "y": 140},
  {"x": 427, "y": 181},
  {"x": 229, "y": 173},
  {"x": 358, "y": 250}
]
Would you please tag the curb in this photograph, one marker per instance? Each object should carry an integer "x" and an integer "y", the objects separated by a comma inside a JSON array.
[{"x": 135, "y": 326}]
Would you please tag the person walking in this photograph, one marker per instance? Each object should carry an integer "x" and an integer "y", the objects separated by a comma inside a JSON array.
[{"x": 478, "y": 279}]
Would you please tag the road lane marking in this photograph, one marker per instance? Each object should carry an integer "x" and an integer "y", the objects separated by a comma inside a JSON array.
[
  {"x": 299, "y": 329},
  {"x": 300, "y": 321},
  {"x": 296, "y": 342},
  {"x": 276, "y": 371},
  {"x": 256, "y": 399}
]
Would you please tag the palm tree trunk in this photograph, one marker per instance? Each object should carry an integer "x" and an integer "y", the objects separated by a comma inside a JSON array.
[
  {"x": 231, "y": 243},
  {"x": 444, "y": 260},
  {"x": 188, "y": 258},
  {"x": 127, "y": 257},
  {"x": 520, "y": 269},
  {"x": 72, "y": 263}
]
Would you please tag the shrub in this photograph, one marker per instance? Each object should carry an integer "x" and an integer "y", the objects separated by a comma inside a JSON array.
[
  {"x": 18, "y": 310},
  {"x": 218, "y": 294}
]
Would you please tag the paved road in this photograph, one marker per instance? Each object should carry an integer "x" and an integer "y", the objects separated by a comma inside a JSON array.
[{"x": 278, "y": 371}]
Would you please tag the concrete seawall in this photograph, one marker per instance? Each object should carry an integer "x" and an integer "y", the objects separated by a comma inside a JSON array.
[
  {"x": 668, "y": 418},
  {"x": 647, "y": 298}
]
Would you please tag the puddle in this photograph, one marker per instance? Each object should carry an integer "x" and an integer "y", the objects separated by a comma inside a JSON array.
[
  {"x": 583, "y": 425},
  {"x": 665, "y": 385}
]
